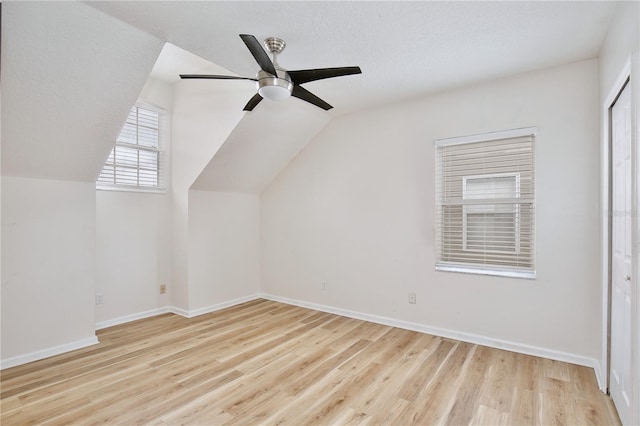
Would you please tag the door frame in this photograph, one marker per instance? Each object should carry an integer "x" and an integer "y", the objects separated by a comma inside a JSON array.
[{"x": 631, "y": 73}]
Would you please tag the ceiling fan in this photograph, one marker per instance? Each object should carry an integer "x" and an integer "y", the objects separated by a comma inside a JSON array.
[{"x": 276, "y": 83}]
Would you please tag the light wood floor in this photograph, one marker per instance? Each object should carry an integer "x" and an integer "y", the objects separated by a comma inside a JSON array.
[{"x": 267, "y": 363}]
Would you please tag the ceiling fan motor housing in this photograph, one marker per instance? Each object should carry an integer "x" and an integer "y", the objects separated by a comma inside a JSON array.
[
  {"x": 276, "y": 87},
  {"x": 275, "y": 45}
]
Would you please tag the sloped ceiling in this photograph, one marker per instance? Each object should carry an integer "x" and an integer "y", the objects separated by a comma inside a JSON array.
[
  {"x": 71, "y": 71},
  {"x": 405, "y": 49},
  {"x": 262, "y": 142},
  {"x": 261, "y": 146},
  {"x": 69, "y": 77}
]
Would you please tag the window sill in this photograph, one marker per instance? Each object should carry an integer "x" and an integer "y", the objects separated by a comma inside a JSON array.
[
  {"x": 121, "y": 188},
  {"x": 529, "y": 275}
]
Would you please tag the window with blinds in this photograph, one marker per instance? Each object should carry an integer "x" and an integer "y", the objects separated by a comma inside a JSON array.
[
  {"x": 135, "y": 162},
  {"x": 485, "y": 204}
]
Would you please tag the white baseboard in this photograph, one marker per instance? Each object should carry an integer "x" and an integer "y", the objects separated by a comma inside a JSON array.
[
  {"x": 452, "y": 334},
  {"x": 212, "y": 308},
  {"x": 57, "y": 350},
  {"x": 46, "y": 353},
  {"x": 179, "y": 311},
  {"x": 128, "y": 318},
  {"x": 175, "y": 310},
  {"x": 602, "y": 383}
]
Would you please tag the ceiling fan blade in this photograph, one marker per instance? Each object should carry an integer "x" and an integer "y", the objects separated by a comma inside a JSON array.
[
  {"x": 215, "y": 77},
  {"x": 258, "y": 53},
  {"x": 255, "y": 100},
  {"x": 302, "y": 93},
  {"x": 305, "y": 76}
]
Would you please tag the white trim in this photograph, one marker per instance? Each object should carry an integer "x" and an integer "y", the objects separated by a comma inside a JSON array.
[
  {"x": 126, "y": 188},
  {"x": 635, "y": 223},
  {"x": 422, "y": 328},
  {"x": 179, "y": 311},
  {"x": 48, "y": 352},
  {"x": 57, "y": 350},
  {"x": 504, "y": 134},
  {"x": 624, "y": 75},
  {"x": 133, "y": 317},
  {"x": 485, "y": 270},
  {"x": 601, "y": 377},
  {"x": 213, "y": 308},
  {"x": 176, "y": 310},
  {"x": 630, "y": 71},
  {"x": 451, "y": 334},
  {"x": 635, "y": 239}
]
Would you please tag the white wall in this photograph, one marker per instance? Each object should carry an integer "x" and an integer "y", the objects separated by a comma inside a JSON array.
[
  {"x": 204, "y": 113},
  {"x": 356, "y": 209},
  {"x": 622, "y": 39},
  {"x": 48, "y": 265},
  {"x": 133, "y": 253},
  {"x": 145, "y": 240},
  {"x": 133, "y": 237},
  {"x": 223, "y": 247},
  {"x": 57, "y": 59}
]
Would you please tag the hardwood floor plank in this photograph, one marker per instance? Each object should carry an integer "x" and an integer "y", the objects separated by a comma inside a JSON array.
[
  {"x": 555, "y": 402},
  {"x": 429, "y": 367},
  {"x": 315, "y": 395},
  {"x": 469, "y": 387},
  {"x": 523, "y": 409},
  {"x": 46, "y": 409},
  {"x": 166, "y": 405},
  {"x": 382, "y": 393},
  {"x": 303, "y": 381},
  {"x": 439, "y": 396},
  {"x": 497, "y": 389},
  {"x": 342, "y": 393},
  {"x": 264, "y": 362}
]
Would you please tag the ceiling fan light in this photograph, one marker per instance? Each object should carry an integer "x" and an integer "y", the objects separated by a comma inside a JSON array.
[
  {"x": 275, "y": 88},
  {"x": 274, "y": 93}
]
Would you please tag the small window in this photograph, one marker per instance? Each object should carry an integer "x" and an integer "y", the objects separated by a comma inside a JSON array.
[
  {"x": 135, "y": 162},
  {"x": 485, "y": 199}
]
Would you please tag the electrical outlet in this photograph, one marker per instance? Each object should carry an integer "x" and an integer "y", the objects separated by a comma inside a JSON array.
[
  {"x": 412, "y": 298},
  {"x": 163, "y": 288},
  {"x": 98, "y": 298}
]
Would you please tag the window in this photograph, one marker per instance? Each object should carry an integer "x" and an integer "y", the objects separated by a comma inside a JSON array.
[
  {"x": 135, "y": 162},
  {"x": 488, "y": 227},
  {"x": 485, "y": 204}
]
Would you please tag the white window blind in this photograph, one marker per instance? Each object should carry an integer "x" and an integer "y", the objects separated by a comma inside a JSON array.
[
  {"x": 485, "y": 204},
  {"x": 136, "y": 160}
]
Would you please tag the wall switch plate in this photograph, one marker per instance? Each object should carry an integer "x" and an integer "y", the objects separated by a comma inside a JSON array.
[
  {"x": 98, "y": 298},
  {"x": 163, "y": 288},
  {"x": 412, "y": 298},
  {"x": 324, "y": 285}
]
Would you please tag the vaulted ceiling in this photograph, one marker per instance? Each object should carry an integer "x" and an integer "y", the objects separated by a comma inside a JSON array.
[
  {"x": 405, "y": 49},
  {"x": 69, "y": 77},
  {"x": 71, "y": 71}
]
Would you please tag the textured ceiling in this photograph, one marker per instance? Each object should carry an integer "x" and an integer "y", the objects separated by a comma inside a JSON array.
[
  {"x": 71, "y": 71},
  {"x": 69, "y": 77},
  {"x": 405, "y": 49}
]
